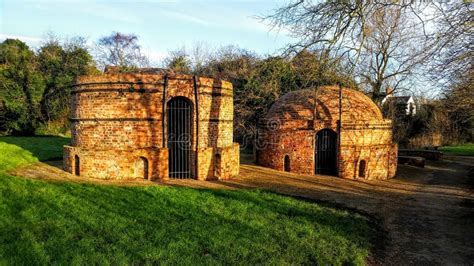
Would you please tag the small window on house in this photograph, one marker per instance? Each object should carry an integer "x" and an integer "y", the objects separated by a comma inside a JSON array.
[
  {"x": 362, "y": 166},
  {"x": 77, "y": 165},
  {"x": 287, "y": 164},
  {"x": 144, "y": 167}
]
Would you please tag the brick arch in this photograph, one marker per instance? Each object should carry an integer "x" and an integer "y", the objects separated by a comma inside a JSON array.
[{"x": 143, "y": 168}]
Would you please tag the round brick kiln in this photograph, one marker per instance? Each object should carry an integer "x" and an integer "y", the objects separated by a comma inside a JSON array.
[
  {"x": 330, "y": 131},
  {"x": 152, "y": 126}
]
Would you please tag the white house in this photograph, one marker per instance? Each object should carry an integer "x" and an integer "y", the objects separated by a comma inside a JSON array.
[{"x": 407, "y": 101}]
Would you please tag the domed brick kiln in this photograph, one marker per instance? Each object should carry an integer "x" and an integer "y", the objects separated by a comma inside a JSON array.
[
  {"x": 152, "y": 126},
  {"x": 329, "y": 131}
]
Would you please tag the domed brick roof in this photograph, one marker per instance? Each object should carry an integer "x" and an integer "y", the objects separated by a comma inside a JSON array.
[{"x": 300, "y": 105}]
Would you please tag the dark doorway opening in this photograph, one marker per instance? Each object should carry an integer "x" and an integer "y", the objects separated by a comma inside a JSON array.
[
  {"x": 362, "y": 166},
  {"x": 144, "y": 167},
  {"x": 77, "y": 165},
  {"x": 179, "y": 126},
  {"x": 326, "y": 152},
  {"x": 286, "y": 164}
]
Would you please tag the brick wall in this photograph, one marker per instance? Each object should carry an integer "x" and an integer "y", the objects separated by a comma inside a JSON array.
[
  {"x": 293, "y": 122},
  {"x": 117, "y": 121}
]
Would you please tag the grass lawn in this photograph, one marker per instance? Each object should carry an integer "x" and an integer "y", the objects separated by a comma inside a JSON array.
[
  {"x": 44, "y": 222},
  {"x": 461, "y": 150}
]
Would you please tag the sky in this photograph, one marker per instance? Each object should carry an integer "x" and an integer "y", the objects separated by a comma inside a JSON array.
[{"x": 162, "y": 25}]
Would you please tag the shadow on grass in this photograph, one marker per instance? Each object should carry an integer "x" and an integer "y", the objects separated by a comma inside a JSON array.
[
  {"x": 64, "y": 222},
  {"x": 45, "y": 148}
]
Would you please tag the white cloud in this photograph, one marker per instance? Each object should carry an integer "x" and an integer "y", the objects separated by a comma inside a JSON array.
[
  {"x": 30, "y": 40},
  {"x": 185, "y": 17},
  {"x": 225, "y": 18}
]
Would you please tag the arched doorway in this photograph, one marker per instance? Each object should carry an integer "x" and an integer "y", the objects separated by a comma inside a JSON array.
[
  {"x": 142, "y": 168},
  {"x": 326, "y": 152},
  {"x": 179, "y": 126}
]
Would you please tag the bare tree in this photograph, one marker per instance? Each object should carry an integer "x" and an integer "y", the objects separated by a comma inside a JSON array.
[
  {"x": 455, "y": 25},
  {"x": 200, "y": 56},
  {"x": 383, "y": 41},
  {"x": 452, "y": 68},
  {"x": 120, "y": 50},
  {"x": 393, "y": 50}
]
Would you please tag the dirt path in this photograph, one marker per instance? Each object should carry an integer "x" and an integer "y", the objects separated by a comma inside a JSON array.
[{"x": 428, "y": 213}]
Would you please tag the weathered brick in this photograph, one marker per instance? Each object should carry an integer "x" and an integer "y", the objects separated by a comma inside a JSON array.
[
  {"x": 293, "y": 121},
  {"x": 117, "y": 121}
]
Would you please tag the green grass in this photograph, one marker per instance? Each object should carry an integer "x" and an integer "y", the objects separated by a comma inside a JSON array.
[
  {"x": 461, "y": 150},
  {"x": 45, "y": 222}
]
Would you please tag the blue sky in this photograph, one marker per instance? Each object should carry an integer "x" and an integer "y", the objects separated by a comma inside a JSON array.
[{"x": 161, "y": 25}]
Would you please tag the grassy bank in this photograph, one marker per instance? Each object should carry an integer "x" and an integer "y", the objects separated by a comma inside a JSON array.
[
  {"x": 52, "y": 222},
  {"x": 460, "y": 150}
]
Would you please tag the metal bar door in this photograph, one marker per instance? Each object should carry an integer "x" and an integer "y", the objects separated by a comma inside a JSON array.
[
  {"x": 326, "y": 152},
  {"x": 179, "y": 124}
]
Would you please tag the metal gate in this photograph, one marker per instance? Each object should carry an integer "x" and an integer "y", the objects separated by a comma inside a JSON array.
[
  {"x": 179, "y": 124},
  {"x": 326, "y": 152}
]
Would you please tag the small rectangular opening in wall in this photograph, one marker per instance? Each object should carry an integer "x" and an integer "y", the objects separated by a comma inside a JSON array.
[
  {"x": 362, "y": 166},
  {"x": 144, "y": 167},
  {"x": 287, "y": 166},
  {"x": 77, "y": 165}
]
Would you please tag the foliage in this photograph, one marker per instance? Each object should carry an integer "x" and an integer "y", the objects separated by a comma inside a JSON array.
[
  {"x": 401, "y": 122},
  {"x": 59, "y": 66},
  {"x": 458, "y": 103},
  {"x": 383, "y": 42},
  {"x": 427, "y": 124},
  {"x": 178, "y": 61},
  {"x": 36, "y": 86},
  {"x": 275, "y": 76},
  {"x": 70, "y": 223},
  {"x": 452, "y": 69},
  {"x": 22, "y": 87},
  {"x": 259, "y": 82},
  {"x": 466, "y": 149},
  {"x": 270, "y": 79}
]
